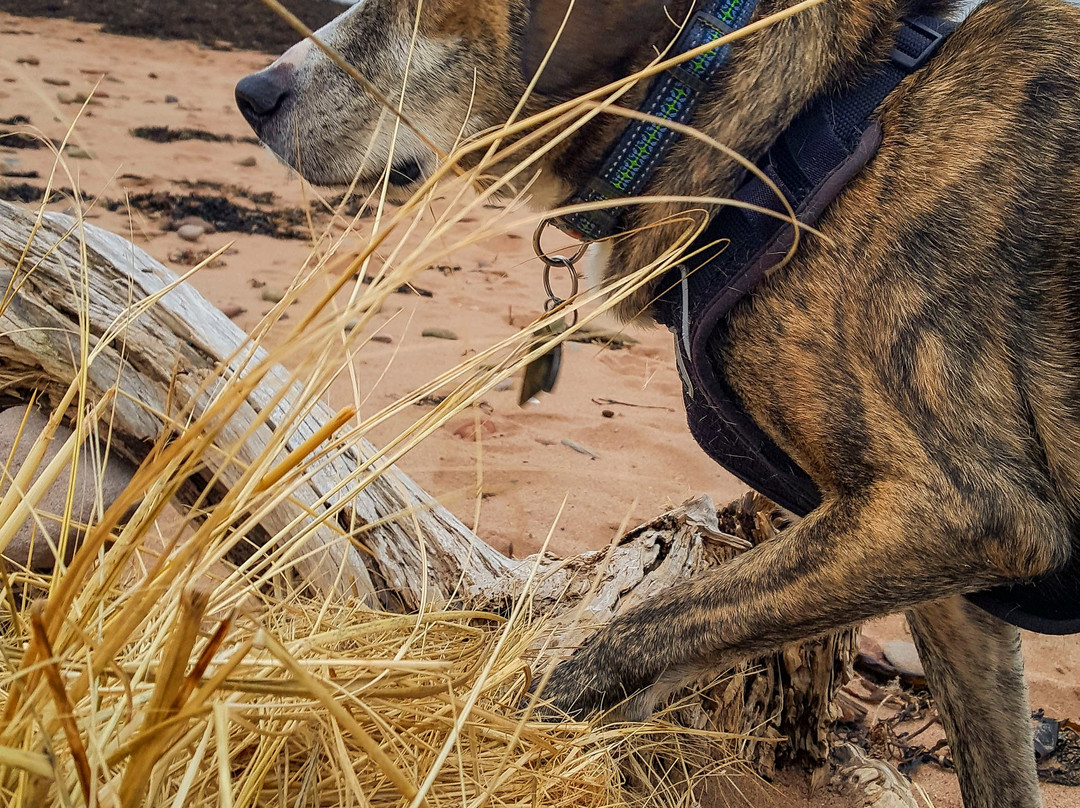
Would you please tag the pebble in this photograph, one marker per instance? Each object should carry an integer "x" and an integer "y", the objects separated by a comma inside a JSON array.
[
  {"x": 193, "y": 221},
  {"x": 169, "y": 99},
  {"x": 438, "y": 333},
  {"x": 33, "y": 61},
  {"x": 56, "y": 82},
  {"x": 247, "y": 162},
  {"x": 79, "y": 153},
  {"x": 608, "y": 413},
  {"x": 904, "y": 657},
  {"x": 189, "y": 232},
  {"x": 272, "y": 294},
  {"x": 382, "y": 338}
]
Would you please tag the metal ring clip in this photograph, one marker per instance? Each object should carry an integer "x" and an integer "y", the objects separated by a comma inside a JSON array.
[
  {"x": 552, "y": 261},
  {"x": 543, "y": 256}
]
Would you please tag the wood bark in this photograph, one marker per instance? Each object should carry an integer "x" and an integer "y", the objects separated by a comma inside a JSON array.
[{"x": 47, "y": 266}]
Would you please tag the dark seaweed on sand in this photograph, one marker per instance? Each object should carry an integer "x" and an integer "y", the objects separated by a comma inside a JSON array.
[
  {"x": 241, "y": 23},
  {"x": 219, "y": 211}
]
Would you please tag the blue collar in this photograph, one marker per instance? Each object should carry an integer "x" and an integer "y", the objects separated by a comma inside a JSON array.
[{"x": 673, "y": 96}]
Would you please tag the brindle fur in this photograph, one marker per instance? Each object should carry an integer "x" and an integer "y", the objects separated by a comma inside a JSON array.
[{"x": 921, "y": 362}]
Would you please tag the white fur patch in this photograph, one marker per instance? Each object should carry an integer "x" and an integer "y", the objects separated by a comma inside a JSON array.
[{"x": 594, "y": 263}]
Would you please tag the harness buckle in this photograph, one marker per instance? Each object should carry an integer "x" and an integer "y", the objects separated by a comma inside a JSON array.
[
  {"x": 912, "y": 62},
  {"x": 703, "y": 17}
]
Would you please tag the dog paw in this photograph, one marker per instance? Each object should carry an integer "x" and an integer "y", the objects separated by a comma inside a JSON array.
[
  {"x": 585, "y": 684},
  {"x": 568, "y": 693}
]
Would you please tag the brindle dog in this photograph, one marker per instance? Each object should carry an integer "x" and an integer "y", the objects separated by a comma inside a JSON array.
[{"x": 922, "y": 363}]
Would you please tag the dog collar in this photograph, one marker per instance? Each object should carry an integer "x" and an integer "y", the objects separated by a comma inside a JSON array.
[{"x": 673, "y": 96}]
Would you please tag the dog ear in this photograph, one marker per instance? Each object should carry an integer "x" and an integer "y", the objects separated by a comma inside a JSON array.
[{"x": 600, "y": 42}]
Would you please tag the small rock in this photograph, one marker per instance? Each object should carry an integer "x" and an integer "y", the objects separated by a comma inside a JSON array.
[
  {"x": 33, "y": 61},
  {"x": 871, "y": 657},
  {"x": 382, "y": 338},
  {"x": 233, "y": 311},
  {"x": 189, "y": 232},
  {"x": 247, "y": 162},
  {"x": 905, "y": 658},
  {"x": 151, "y": 75},
  {"x": 79, "y": 153},
  {"x": 194, "y": 221},
  {"x": 169, "y": 99},
  {"x": 438, "y": 333},
  {"x": 56, "y": 82},
  {"x": 272, "y": 294},
  {"x": 608, "y": 413}
]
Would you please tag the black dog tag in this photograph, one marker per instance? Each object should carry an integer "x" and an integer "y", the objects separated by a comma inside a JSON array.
[{"x": 541, "y": 373}]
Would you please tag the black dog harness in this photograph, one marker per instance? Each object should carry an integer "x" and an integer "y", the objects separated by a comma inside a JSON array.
[{"x": 811, "y": 163}]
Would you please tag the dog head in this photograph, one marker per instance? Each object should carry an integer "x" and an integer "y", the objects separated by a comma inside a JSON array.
[{"x": 456, "y": 67}]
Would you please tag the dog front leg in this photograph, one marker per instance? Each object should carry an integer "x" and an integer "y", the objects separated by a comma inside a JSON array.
[
  {"x": 976, "y": 673},
  {"x": 843, "y": 564}
]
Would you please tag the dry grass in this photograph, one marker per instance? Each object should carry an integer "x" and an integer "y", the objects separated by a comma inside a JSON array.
[{"x": 149, "y": 671}]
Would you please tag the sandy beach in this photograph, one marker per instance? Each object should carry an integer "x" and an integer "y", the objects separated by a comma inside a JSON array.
[{"x": 161, "y": 143}]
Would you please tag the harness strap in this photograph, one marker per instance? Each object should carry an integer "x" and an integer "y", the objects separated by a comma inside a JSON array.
[
  {"x": 825, "y": 147},
  {"x": 810, "y": 163},
  {"x": 673, "y": 96}
]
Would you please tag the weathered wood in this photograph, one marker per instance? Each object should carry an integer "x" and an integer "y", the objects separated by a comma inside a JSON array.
[
  {"x": 167, "y": 352},
  {"x": 180, "y": 341}
]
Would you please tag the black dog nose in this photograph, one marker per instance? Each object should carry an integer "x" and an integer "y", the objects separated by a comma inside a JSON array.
[{"x": 260, "y": 95}]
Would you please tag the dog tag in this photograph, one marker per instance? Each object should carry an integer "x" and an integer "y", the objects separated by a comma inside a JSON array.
[{"x": 541, "y": 373}]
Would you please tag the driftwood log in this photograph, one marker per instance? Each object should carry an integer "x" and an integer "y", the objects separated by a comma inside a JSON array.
[{"x": 175, "y": 344}]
